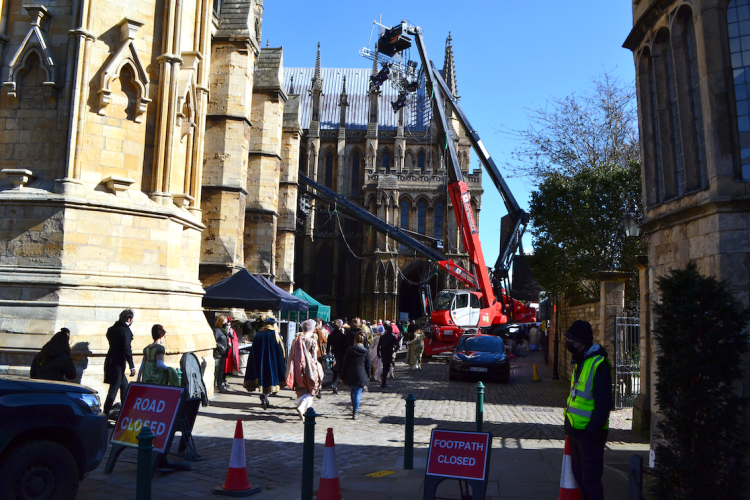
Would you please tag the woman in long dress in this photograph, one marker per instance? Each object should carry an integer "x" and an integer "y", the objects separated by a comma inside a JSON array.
[
  {"x": 377, "y": 363},
  {"x": 416, "y": 348},
  {"x": 153, "y": 370},
  {"x": 303, "y": 373}
]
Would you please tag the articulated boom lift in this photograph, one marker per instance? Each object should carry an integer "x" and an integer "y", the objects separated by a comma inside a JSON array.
[{"x": 455, "y": 311}]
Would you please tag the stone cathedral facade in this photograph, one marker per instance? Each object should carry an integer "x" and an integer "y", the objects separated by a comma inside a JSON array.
[
  {"x": 391, "y": 163},
  {"x": 150, "y": 149}
]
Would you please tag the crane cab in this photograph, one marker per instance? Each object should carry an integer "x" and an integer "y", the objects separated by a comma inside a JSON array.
[{"x": 458, "y": 307}]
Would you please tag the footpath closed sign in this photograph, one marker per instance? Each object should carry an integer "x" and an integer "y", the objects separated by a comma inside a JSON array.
[
  {"x": 459, "y": 455},
  {"x": 147, "y": 405}
]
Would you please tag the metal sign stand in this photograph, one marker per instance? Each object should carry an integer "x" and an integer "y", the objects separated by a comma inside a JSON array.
[{"x": 158, "y": 458}]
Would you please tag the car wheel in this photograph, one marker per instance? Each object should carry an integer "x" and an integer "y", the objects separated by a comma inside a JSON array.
[
  {"x": 504, "y": 378},
  {"x": 39, "y": 470}
]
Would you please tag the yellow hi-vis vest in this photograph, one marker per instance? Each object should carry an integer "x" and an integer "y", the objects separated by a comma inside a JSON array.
[{"x": 581, "y": 399}]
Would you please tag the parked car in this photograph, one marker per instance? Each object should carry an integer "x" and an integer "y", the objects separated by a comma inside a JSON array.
[
  {"x": 51, "y": 434},
  {"x": 480, "y": 356}
]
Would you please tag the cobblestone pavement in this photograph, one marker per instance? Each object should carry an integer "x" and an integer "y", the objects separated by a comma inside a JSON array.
[{"x": 520, "y": 412}]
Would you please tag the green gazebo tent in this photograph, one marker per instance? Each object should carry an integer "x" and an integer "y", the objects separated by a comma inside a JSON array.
[{"x": 316, "y": 309}]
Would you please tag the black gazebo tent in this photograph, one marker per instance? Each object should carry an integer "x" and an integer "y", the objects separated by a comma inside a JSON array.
[{"x": 245, "y": 291}]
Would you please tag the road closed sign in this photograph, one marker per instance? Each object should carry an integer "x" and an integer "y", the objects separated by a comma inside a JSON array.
[
  {"x": 146, "y": 405},
  {"x": 459, "y": 455}
]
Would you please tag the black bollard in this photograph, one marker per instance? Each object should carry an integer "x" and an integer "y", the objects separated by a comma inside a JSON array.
[
  {"x": 635, "y": 478},
  {"x": 145, "y": 465},
  {"x": 480, "y": 406},
  {"x": 409, "y": 437},
  {"x": 308, "y": 455}
]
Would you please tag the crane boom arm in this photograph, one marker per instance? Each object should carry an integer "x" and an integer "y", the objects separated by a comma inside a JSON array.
[{"x": 365, "y": 217}]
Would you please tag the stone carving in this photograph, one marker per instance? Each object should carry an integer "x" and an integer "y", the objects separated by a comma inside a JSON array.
[
  {"x": 186, "y": 92},
  {"x": 19, "y": 177},
  {"x": 35, "y": 43},
  {"x": 126, "y": 55}
]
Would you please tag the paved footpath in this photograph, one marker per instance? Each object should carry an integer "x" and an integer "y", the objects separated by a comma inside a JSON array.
[{"x": 524, "y": 417}]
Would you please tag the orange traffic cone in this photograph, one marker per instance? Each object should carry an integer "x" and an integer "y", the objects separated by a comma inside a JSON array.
[
  {"x": 568, "y": 486},
  {"x": 329, "y": 487},
  {"x": 236, "y": 484}
]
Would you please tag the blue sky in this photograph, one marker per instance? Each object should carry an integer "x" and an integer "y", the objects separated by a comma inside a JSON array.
[{"x": 510, "y": 55}]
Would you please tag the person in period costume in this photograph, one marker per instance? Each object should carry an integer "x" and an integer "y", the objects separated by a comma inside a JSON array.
[
  {"x": 337, "y": 346},
  {"x": 355, "y": 370},
  {"x": 303, "y": 373},
  {"x": 415, "y": 350},
  {"x": 119, "y": 354},
  {"x": 221, "y": 351},
  {"x": 387, "y": 347},
  {"x": 153, "y": 370},
  {"x": 375, "y": 361},
  {"x": 232, "y": 363},
  {"x": 54, "y": 361},
  {"x": 266, "y": 365}
]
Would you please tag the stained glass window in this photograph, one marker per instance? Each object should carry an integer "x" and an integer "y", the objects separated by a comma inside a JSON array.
[
  {"x": 329, "y": 171},
  {"x": 674, "y": 113},
  {"x": 439, "y": 215},
  {"x": 387, "y": 163},
  {"x": 657, "y": 141},
  {"x": 405, "y": 209},
  {"x": 420, "y": 162},
  {"x": 738, "y": 25},
  {"x": 422, "y": 217}
]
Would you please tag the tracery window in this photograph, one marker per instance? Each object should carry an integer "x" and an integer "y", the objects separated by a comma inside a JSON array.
[
  {"x": 405, "y": 211},
  {"x": 738, "y": 25},
  {"x": 439, "y": 216},
  {"x": 355, "y": 174},
  {"x": 329, "y": 171},
  {"x": 658, "y": 164},
  {"x": 420, "y": 162},
  {"x": 387, "y": 163},
  {"x": 422, "y": 217},
  {"x": 674, "y": 114},
  {"x": 695, "y": 99}
]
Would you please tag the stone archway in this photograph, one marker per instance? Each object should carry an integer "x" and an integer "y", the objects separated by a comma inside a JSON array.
[{"x": 409, "y": 295}]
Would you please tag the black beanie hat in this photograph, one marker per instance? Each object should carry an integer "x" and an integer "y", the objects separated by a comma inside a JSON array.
[{"x": 581, "y": 331}]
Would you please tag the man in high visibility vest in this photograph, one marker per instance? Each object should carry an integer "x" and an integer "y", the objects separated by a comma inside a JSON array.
[{"x": 587, "y": 411}]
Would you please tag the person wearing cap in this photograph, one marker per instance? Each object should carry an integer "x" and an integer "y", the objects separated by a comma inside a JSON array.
[
  {"x": 266, "y": 365},
  {"x": 587, "y": 411}
]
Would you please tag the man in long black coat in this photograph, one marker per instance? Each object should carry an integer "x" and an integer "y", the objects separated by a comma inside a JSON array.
[
  {"x": 119, "y": 353},
  {"x": 386, "y": 347},
  {"x": 337, "y": 344}
]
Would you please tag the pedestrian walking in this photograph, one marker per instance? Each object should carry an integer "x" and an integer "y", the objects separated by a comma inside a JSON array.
[
  {"x": 376, "y": 363},
  {"x": 119, "y": 354},
  {"x": 534, "y": 335},
  {"x": 221, "y": 351},
  {"x": 153, "y": 370},
  {"x": 266, "y": 365},
  {"x": 355, "y": 370},
  {"x": 337, "y": 346},
  {"x": 387, "y": 347},
  {"x": 415, "y": 350},
  {"x": 397, "y": 334},
  {"x": 303, "y": 373},
  {"x": 588, "y": 407},
  {"x": 54, "y": 361}
]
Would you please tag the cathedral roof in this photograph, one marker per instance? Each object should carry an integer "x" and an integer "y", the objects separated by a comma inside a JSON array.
[{"x": 417, "y": 113}]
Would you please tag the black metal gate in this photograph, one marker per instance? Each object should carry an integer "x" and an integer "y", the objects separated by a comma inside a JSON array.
[{"x": 627, "y": 381}]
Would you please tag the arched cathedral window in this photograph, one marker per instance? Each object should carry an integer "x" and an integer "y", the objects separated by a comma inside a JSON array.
[
  {"x": 405, "y": 210},
  {"x": 439, "y": 212},
  {"x": 422, "y": 217},
  {"x": 329, "y": 171},
  {"x": 355, "y": 174},
  {"x": 420, "y": 162},
  {"x": 658, "y": 164},
  {"x": 691, "y": 52},
  {"x": 387, "y": 163},
  {"x": 675, "y": 135},
  {"x": 738, "y": 25}
]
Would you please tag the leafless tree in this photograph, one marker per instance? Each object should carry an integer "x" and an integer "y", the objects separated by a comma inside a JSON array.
[{"x": 582, "y": 130}]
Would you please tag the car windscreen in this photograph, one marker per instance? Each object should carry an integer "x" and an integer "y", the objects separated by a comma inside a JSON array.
[
  {"x": 443, "y": 301},
  {"x": 483, "y": 344}
]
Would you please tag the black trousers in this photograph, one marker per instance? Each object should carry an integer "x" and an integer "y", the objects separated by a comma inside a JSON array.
[
  {"x": 336, "y": 376},
  {"x": 587, "y": 454},
  {"x": 219, "y": 375},
  {"x": 386, "y": 367},
  {"x": 121, "y": 384}
]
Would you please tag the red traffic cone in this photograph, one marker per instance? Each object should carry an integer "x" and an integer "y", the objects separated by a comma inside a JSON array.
[
  {"x": 329, "y": 487},
  {"x": 568, "y": 486},
  {"x": 236, "y": 484}
]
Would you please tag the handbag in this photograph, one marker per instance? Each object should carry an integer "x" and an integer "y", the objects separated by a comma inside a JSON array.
[
  {"x": 219, "y": 351},
  {"x": 328, "y": 361}
]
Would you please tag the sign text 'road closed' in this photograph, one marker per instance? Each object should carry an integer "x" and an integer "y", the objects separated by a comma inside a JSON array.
[
  {"x": 461, "y": 455},
  {"x": 150, "y": 406}
]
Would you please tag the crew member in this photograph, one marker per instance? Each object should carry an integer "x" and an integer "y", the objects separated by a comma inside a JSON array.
[{"x": 587, "y": 411}]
